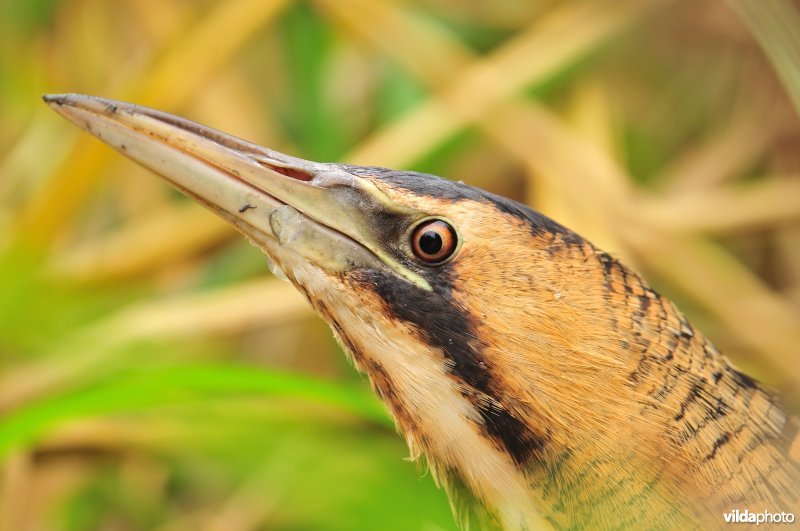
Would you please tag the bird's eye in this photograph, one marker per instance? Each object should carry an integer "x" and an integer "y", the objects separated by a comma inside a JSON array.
[{"x": 434, "y": 241}]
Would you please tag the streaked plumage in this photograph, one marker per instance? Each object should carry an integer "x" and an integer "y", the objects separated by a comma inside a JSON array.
[{"x": 546, "y": 384}]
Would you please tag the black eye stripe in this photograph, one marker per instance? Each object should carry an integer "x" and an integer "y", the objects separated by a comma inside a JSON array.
[{"x": 434, "y": 241}]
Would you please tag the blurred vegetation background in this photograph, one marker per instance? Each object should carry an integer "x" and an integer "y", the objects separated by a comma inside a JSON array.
[{"x": 154, "y": 375}]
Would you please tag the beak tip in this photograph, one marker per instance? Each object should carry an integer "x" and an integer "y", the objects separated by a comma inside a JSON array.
[
  {"x": 54, "y": 99},
  {"x": 69, "y": 104},
  {"x": 70, "y": 100}
]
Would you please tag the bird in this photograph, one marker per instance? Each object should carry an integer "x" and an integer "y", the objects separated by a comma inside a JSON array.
[{"x": 544, "y": 383}]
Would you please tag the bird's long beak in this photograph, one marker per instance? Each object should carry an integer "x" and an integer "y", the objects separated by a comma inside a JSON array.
[{"x": 318, "y": 210}]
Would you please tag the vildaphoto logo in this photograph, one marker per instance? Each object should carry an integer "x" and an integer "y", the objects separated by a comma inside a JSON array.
[{"x": 736, "y": 516}]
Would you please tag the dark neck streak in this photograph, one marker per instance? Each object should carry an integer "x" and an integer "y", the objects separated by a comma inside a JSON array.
[{"x": 442, "y": 324}]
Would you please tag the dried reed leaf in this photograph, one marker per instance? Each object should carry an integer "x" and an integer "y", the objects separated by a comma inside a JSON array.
[
  {"x": 548, "y": 46},
  {"x": 725, "y": 153},
  {"x": 591, "y": 116},
  {"x": 23, "y": 165},
  {"x": 730, "y": 209},
  {"x": 593, "y": 187},
  {"x": 244, "y": 510},
  {"x": 787, "y": 241},
  {"x": 194, "y": 57},
  {"x": 258, "y": 303},
  {"x": 425, "y": 49},
  {"x": 15, "y": 487},
  {"x": 776, "y": 26},
  {"x": 145, "y": 242},
  {"x": 188, "y": 60},
  {"x": 246, "y": 306}
]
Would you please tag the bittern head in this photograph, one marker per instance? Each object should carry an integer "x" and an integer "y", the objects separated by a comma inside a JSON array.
[{"x": 502, "y": 343}]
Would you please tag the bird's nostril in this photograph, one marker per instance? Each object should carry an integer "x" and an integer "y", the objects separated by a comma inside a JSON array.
[{"x": 294, "y": 173}]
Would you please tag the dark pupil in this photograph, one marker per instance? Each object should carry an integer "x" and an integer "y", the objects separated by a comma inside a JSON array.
[{"x": 430, "y": 242}]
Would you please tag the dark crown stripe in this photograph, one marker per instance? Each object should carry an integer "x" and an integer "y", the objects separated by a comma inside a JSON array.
[{"x": 426, "y": 185}]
